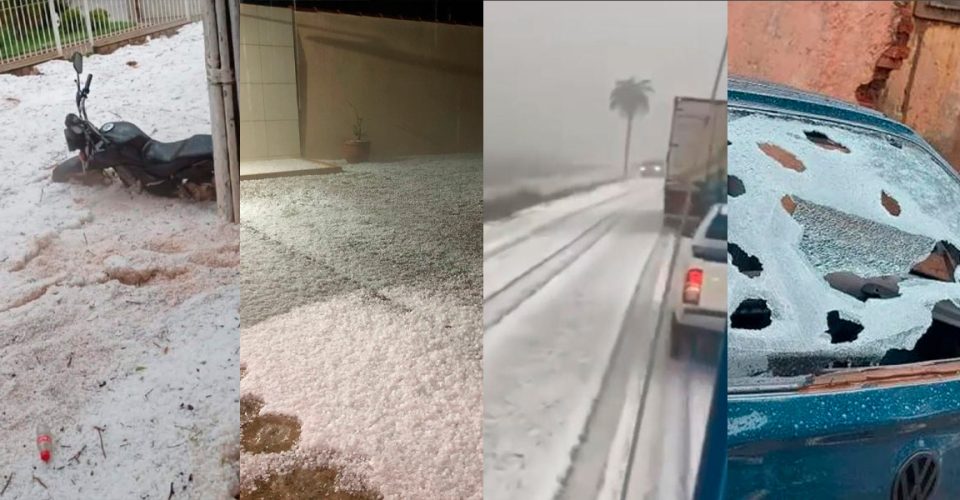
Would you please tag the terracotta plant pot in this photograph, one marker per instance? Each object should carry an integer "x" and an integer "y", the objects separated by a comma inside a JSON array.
[{"x": 356, "y": 151}]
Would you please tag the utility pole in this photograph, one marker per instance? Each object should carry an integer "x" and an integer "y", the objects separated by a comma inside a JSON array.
[{"x": 716, "y": 81}]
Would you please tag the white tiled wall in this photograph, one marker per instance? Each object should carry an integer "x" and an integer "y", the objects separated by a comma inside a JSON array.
[{"x": 269, "y": 115}]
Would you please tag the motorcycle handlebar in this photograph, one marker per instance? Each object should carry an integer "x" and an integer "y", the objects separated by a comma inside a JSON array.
[{"x": 86, "y": 87}]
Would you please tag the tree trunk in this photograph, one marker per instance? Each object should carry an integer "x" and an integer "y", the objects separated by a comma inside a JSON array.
[{"x": 626, "y": 147}]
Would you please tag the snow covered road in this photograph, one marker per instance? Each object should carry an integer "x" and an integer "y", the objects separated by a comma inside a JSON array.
[
  {"x": 611, "y": 421},
  {"x": 673, "y": 418},
  {"x": 547, "y": 349},
  {"x": 673, "y": 426}
]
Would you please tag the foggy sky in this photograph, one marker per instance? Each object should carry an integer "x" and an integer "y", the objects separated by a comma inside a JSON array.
[{"x": 549, "y": 68}]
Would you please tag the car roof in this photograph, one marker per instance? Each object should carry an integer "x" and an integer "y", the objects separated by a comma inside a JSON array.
[
  {"x": 716, "y": 210},
  {"x": 759, "y": 94}
]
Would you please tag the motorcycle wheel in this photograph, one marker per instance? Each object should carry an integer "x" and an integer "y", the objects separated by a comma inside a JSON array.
[
  {"x": 198, "y": 192},
  {"x": 72, "y": 170},
  {"x": 141, "y": 181}
]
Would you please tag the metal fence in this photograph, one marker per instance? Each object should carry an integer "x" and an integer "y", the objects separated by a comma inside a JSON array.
[{"x": 33, "y": 31}]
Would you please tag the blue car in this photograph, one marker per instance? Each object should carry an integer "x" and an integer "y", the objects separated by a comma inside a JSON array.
[{"x": 844, "y": 303}]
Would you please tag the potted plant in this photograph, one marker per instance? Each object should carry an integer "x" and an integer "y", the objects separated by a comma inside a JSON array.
[{"x": 357, "y": 150}]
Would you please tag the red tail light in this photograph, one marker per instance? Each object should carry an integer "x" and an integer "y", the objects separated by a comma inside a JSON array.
[{"x": 692, "y": 286}]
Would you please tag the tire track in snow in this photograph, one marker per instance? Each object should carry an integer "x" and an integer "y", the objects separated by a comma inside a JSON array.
[
  {"x": 545, "y": 364},
  {"x": 498, "y": 249},
  {"x": 637, "y": 335},
  {"x": 507, "y": 299}
]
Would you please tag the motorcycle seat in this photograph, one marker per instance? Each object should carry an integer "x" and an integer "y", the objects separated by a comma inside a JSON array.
[{"x": 198, "y": 147}]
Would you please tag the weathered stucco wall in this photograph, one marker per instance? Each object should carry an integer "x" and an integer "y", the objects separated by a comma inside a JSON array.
[
  {"x": 875, "y": 53},
  {"x": 810, "y": 45},
  {"x": 417, "y": 85}
]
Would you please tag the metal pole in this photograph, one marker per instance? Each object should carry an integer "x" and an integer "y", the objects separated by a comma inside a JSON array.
[
  {"x": 4, "y": 34},
  {"x": 18, "y": 36},
  {"x": 716, "y": 81},
  {"x": 713, "y": 96},
  {"x": 86, "y": 17},
  {"x": 297, "y": 53},
  {"x": 32, "y": 29},
  {"x": 55, "y": 26},
  {"x": 709, "y": 152}
]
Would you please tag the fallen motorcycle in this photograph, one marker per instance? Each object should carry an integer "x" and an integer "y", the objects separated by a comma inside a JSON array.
[{"x": 174, "y": 169}]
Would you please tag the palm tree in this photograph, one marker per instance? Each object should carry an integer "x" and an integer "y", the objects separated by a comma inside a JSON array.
[{"x": 630, "y": 97}]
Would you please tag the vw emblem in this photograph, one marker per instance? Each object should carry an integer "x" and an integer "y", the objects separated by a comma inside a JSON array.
[{"x": 917, "y": 478}]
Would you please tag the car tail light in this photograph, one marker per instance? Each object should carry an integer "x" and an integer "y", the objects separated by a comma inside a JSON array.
[{"x": 692, "y": 286}]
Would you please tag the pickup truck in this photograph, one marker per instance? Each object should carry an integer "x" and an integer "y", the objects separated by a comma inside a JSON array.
[{"x": 700, "y": 317}]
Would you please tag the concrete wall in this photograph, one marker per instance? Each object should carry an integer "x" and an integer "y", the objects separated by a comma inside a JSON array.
[
  {"x": 874, "y": 53},
  {"x": 269, "y": 119},
  {"x": 417, "y": 85}
]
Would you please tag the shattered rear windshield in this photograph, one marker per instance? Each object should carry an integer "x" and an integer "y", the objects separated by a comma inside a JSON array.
[{"x": 844, "y": 252}]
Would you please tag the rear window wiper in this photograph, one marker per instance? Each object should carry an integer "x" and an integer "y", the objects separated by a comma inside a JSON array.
[
  {"x": 879, "y": 287},
  {"x": 940, "y": 265}
]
